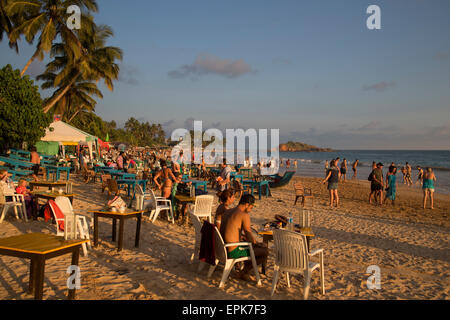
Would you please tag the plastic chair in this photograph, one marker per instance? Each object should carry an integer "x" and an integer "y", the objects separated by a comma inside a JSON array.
[
  {"x": 202, "y": 207},
  {"x": 82, "y": 226},
  {"x": 143, "y": 199},
  {"x": 220, "y": 250},
  {"x": 161, "y": 204},
  {"x": 198, "y": 238},
  {"x": 17, "y": 203},
  {"x": 291, "y": 256}
]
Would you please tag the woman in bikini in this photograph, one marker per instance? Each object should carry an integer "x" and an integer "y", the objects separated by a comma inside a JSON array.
[
  {"x": 428, "y": 187},
  {"x": 167, "y": 178}
]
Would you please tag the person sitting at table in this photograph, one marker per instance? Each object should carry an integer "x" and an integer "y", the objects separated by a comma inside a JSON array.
[
  {"x": 28, "y": 197},
  {"x": 235, "y": 222},
  {"x": 167, "y": 177},
  {"x": 224, "y": 179},
  {"x": 6, "y": 184},
  {"x": 226, "y": 199}
]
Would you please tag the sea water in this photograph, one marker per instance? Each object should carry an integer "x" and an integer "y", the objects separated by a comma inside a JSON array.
[{"x": 312, "y": 164}]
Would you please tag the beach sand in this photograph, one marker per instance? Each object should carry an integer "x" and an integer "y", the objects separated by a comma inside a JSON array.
[{"x": 409, "y": 244}]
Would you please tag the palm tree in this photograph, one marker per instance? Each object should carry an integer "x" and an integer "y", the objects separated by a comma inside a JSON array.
[
  {"x": 77, "y": 98},
  {"x": 96, "y": 63},
  {"x": 46, "y": 18},
  {"x": 7, "y": 23}
]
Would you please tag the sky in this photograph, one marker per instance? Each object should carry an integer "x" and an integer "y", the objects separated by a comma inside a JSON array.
[{"x": 311, "y": 69}]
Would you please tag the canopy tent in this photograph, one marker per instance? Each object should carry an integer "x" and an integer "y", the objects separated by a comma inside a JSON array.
[
  {"x": 50, "y": 148},
  {"x": 59, "y": 131}
]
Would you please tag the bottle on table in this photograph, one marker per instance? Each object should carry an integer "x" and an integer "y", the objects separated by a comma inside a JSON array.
[{"x": 290, "y": 222}]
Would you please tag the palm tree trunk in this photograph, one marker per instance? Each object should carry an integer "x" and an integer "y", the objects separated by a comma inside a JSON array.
[
  {"x": 36, "y": 53},
  {"x": 52, "y": 102},
  {"x": 79, "y": 109}
]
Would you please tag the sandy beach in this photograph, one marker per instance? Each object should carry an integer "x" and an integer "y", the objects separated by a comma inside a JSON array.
[{"x": 409, "y": 244}]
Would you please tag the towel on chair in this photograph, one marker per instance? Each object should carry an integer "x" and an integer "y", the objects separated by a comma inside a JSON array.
[
  {"x": 207, "y": 253},
  {"x": 58, "y": 213}
]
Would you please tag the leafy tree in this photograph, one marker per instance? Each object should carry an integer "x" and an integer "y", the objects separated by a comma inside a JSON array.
[
  {"x": 97, "y": 63},
  {"x": 46, "y": 18},
  {"x": 21, "y": 115}
]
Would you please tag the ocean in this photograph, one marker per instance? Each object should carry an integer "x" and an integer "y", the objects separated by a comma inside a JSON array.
[{"x": 311, "y": 164}]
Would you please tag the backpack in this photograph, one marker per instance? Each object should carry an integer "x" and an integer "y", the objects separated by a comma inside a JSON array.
[{"x": 370, "y": 178}]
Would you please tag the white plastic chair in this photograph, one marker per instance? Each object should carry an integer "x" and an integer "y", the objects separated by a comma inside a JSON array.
[
  {"x": 203, "y": 207},
  {"x": 144, "y": 200},
  {"x": 198, "y": 238},
  {"x": 220, "y": 251},
  {"x": 291, "y": 256},
  {"x": 18, "y": 204},
  {"x": 82, "y": 226},
  {"x": 161, "y": 204},
  {"x": 305, "y": 218}
]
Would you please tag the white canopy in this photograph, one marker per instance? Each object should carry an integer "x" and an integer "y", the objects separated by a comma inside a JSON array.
[{"x": 68, "y": 135}]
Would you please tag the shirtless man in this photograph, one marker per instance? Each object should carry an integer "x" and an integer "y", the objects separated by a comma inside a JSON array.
[
  {"x": 236, "y": 223},
  {"x": 36, "y": 161},
  {"x": 355, "y": 168},
  {"x": 409, "y": 181}
]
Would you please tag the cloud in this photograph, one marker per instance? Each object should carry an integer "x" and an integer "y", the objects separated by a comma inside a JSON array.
[
  {"x": 371, "y": 125},
  {"x": 189, "y": 123},
  {"x": 442, "y": 55},
  {"x": 440, "y": 131},
  {"x": 206, "y": 64},
  {"x": 128, "y": 74},
  {"x": 380, "y": 86},
  {"x": 168, "y": 123}
]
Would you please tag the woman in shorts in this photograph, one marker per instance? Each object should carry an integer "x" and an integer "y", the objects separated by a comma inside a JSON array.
[
  {"x": 333, "y": 176},
  {"x": 428, "y": 187}
]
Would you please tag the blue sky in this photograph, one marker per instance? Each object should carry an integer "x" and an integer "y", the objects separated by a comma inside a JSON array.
[{"x": 310, "y": 68}]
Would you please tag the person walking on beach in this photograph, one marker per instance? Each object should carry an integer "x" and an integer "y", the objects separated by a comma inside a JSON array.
[
  {"x": 333, "y": 176},
  {"x": 295, "y": 163},
  {"x": 419, "y": 175},
  {"x": 408, "y": 174},
  {"x": 391, "y": 188},
  {"x": 377, "y": 184},
  {"x": 326, "y": 167},
  {"x": 344, "y": 169},
  {"x": 235, "y": 227},
  {"x": 288, "y": 163},
  {"x": 403, "y": 170},
  {"x": 374, "y": 165},
  {"x": 428, "y": 187},
  {"x": 36, "y": 161},
  {"x": 355, "y": 168}
]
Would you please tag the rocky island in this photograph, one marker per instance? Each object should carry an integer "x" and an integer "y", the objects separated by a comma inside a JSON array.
[{"x": 301, "y": 147}]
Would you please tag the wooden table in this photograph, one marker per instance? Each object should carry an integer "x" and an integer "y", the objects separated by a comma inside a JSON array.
[
  {"x": 39, "y": 247},
  {"x": 184, "y": 200},
  {"x": 268, "y": 236},
  {"x": 196, "y": 183},
  {"x": 259, "y": 185},
  {"x": 48, "y": 196},
  {"x": 249, "y": 172},
  {"x": 132, "y": 183},
  {"x": 57, "y": 170},
  {"x": 121, "y": 217},
  {"x": 49, "y": 184}
]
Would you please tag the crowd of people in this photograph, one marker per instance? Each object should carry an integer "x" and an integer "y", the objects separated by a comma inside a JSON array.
[{"x": 382, "y": 187}]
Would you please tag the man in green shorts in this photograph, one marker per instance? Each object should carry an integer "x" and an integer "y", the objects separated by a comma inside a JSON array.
[{"x": 236, "y": 223}]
